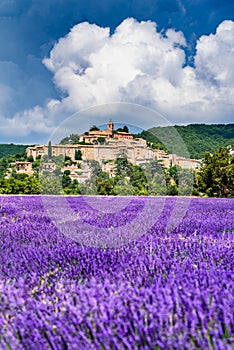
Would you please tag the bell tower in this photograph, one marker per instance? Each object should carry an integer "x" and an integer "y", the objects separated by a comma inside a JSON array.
[{"x": 111, "y": 127}]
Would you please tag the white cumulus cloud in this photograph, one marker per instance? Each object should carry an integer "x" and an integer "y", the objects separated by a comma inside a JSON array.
[
  {"x": 93, "y": 67},
  {"x": 139, "y": 64}
]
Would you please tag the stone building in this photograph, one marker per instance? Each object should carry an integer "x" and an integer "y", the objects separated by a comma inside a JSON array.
[
  {"x": 163, "y": 157},
  {"x": 108, "y": 134},
  {"x": 23, "y": 167},
  {"x": 185, "y": 163},
  {"x": 57, "y": 150},
  {"x": 135, "y": 149},
  {"x": 117, "y": 144},
  {"x": 48, "y": 166},
  {"x": 36, "y": 151}
]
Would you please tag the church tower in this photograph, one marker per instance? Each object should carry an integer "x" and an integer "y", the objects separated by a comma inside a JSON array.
[{"x": 111, "y": 127}]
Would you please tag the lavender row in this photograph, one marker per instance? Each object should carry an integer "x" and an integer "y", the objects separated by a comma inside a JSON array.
[{"x": 163, "y": 290}]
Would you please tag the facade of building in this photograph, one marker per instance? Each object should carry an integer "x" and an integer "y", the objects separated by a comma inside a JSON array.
[
  {"x": 185, "y": 163},
  {"x": 108, "y": 134},
  {"x": 23, "y": 167},
  {"x": 48, "y": 166},
  {"x": 163, "y": 157},
  {"x": 121, "y": 135},
  {"x": 36, "y": 151},
  {"x": 135, "y": 150}
]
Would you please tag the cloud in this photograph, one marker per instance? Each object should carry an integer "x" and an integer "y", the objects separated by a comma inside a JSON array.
[
  {"x": 93, "y": 67},
  {"x": 26, "y": 122},
  {"x": 214, "y": 58},
  {"x": 138, "y": 64}
]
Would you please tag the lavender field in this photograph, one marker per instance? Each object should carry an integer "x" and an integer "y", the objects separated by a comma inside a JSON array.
[{"x": 162, "y": 289}]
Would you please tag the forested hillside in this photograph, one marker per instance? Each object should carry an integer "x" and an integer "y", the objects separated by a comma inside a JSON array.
[
  {"x": 10, "y": 149},
  {"x": 198, "y": 138}
]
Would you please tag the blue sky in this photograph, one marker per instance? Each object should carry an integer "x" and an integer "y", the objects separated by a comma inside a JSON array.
[{"x": 34, "y": 97}]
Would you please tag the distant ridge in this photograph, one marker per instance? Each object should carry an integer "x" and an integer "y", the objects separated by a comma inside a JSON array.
[{"x": 198, "y": 138}]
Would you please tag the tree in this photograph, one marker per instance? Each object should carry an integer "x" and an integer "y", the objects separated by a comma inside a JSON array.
[
  {"x": 180, "y": 181},
  {"x": 72, "y": 139},
  {"x": 5, "y": 187},
  {"x": 103, "y": 175},
  {"x": 105, "y": 186},
  {"x": 151, "y": 139},
  {"x": 157, "y": 184},
  {"x": 123, "y": 187},
  {"x": 73, "y": 188},
  {"x": 123, "y": 167},
  {"x": 138, "y": 181},
  {"x": 3, "y": 167},
  {"x": 94, "y": 128},
  {"x": 124, "y": 129},
  {"x": 66, "y": 158},
  {"x": 155, "y": 178},
  {"x": 49, "y": 150},
  {"x": 216, "y": 176},
  {"x": 95, "y": 168},
  {"x": 78, "y": 154},
  {"x": 31, "y": 186},
  {"x": 101, "y": 140},
  {"x": 30, "y": 158},
  {"x": 67, "y": 172},
  {"x": 36, "y": 165},
  {"x": 19, "y": 176},
  {"x": 172, "y": 190},
  {"x": 173, "y": 173},
  {"x": 66, "y": 180},
  {"x": 50, "y": 184},
  {"x": 57, "y": 171},
  {"x": 186, "y": 182}
]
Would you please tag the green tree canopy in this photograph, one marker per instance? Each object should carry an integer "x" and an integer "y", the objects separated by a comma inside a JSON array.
[
  {"x": 216, "y": 176},
  {"x": 101, "y": 140},
  {"x": 78, "y": 154},
  {"x": 124, "y": 129},
  {"x": 94, "y": 128},
  {"x": 49, "y": 150},
  {"x": 72, "y": 139}
]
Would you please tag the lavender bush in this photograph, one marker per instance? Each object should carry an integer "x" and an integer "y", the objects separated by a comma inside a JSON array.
[{"x": 164, "y": 290}]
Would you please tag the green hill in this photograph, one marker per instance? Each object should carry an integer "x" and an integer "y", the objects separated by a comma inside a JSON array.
[
  {"x": 7, "y": 150},
  {"x": 198, "y": 138}
]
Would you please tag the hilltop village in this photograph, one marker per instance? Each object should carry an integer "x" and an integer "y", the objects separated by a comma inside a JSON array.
[{"x": 104, "y": 147}]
